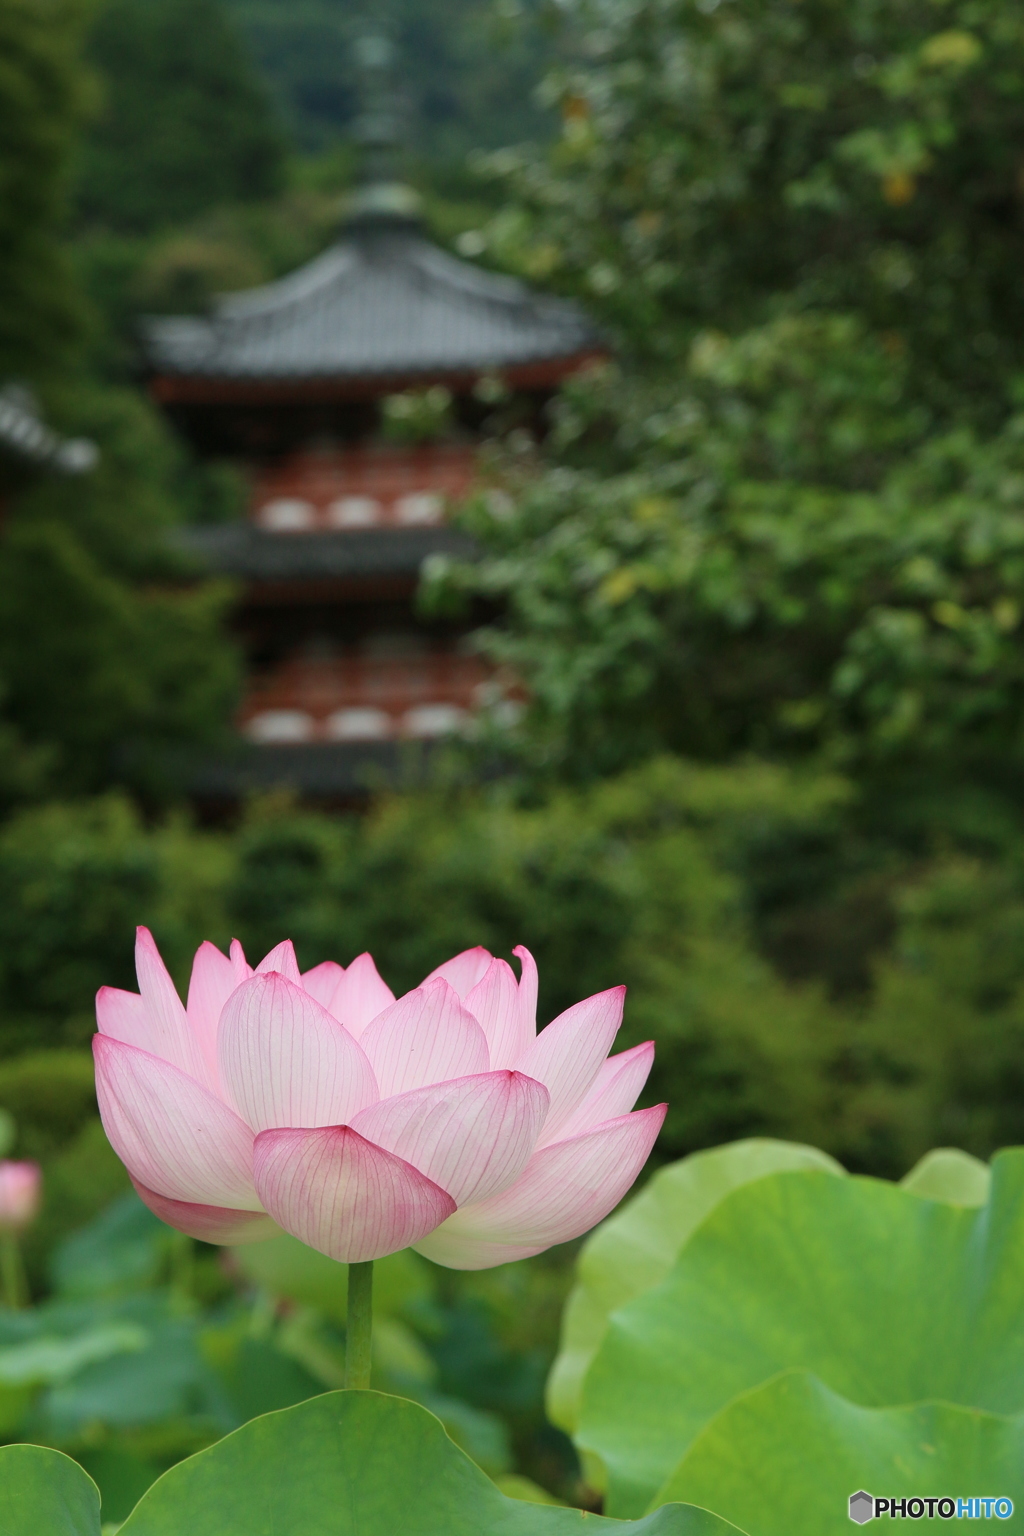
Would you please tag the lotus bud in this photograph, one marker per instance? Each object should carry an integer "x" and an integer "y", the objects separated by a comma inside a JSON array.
[{"x": 20, "y": 1190}]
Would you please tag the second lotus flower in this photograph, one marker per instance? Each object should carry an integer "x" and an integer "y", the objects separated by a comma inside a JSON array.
[
  {"x": 362, "y": 1124},
  {"x": 20, "y": 1191}
]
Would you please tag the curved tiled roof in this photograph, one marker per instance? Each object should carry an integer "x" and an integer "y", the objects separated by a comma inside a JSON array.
[
  {"x": 322, "y": 769},
  {"x": 24, "y": 435},
  {"x": 254, "y": 554},
  {"x": 382, "y": 301}
]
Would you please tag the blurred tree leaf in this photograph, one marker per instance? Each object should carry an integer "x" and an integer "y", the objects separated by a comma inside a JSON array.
[
  {"x": 44, "y": 97},
  {"x": 184, "y": 124}
]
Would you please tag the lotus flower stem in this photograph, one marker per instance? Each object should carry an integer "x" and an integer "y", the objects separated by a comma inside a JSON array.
[
  {"x": 13, "y": 1286},
  {"x": 360, "y": 1324}
]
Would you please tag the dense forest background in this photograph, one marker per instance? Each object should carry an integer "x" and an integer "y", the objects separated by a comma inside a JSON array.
[{"x": 764, "y": 580}]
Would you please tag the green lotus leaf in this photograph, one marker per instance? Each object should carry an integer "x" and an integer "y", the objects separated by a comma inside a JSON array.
[
  {"x": 887, "y": 1297},
  {"x": 45, "y": 1493},
  {"x": 119, "y": 1252},
  {"x": 951, "y": 1175},
  {"x": 46, "y": 1359},
  {"x": 784, "y": 1459},
  {"x": 344, "y": 1464},
  {"x": 635, "y": 1249}
]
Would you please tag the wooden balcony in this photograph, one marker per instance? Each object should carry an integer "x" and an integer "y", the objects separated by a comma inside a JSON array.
[
  {"x": 360, "y": 698},
  {"x": 369, "y": 487}
]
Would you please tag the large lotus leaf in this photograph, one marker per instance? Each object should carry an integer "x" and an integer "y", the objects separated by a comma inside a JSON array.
[
  {"x": 635, "y": 1249},
  {"x": 345, "y": 1464},
  {"x": 57, "y": 1359},
  {"x": 784, "y": 1459},
  {"x": 887, "y": 1297},
  {"x": 44, "y": 1493},
  {"x": 948, "y": 1174},
  {"x": 122, "y": 1250},
  {"x": 165, "y": 1378}
]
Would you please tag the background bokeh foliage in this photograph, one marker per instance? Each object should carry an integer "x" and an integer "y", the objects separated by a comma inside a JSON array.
[{"x": 763, "y": 577}]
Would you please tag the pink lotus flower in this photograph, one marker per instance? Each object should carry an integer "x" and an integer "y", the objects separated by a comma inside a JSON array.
[
  {"x": 20, "y": 1189},
  {"x": 362, "y": 1125}
]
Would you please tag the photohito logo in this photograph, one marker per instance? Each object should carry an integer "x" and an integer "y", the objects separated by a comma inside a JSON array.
[{"x": 864, "y": 1507}]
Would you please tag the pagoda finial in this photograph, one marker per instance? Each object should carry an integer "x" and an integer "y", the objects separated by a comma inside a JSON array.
[{"x": 381, "y": 197}]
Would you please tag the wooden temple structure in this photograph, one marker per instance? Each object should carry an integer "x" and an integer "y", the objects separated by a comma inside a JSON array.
[{"x": 289, "y": 381}]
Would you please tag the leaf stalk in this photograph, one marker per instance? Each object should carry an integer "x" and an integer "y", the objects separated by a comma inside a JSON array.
[{"x": 359, "y": 1329}]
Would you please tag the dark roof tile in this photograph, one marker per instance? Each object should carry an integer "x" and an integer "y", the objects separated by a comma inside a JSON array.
[
  {"x": 242, "y": 550},
  {"x": 379, "y": 302},
  {"x": 315, "y": 769}
]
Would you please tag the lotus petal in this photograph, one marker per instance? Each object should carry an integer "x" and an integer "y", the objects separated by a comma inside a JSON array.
[
  {"x": 214, "y": 978},
  {"x": 322, "y": 981},
  {"x": 124, "y": 1016},
  {"x": 210, "y": 1223},
  {"x": 361, "y": 995},
  {"x": 173, "y": 1135},
  {"x": 472, "y": 1136},
  {"x": 567, "y": 1055},
  {"x": 565, "y": 1190},
  {"x": 496, "y": 1004},
  {"x": 238, "y": 960},
  {"x": 282, "y": 960},
  {"x": 156, "y": 1021},
  {"x": 284, "y": 1060},
  {"x": 342, "y": 1195},
  {"x": 426, "y": 1037},
  {"x": 527, "y": 990},
  {"x": 615, "y": 1090},
  {"x": 462, "y": 971}
]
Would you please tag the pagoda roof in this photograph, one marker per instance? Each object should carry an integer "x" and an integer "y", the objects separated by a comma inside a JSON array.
[
  {"x": 258, "y": 555},
  {"x": 321, "y": 770},
  {"x": 383, "y": 302},
  {"x": 25, "y": 436}
]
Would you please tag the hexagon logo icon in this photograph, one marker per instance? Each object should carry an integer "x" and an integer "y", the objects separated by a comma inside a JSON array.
[{"x": 862, "y": 1507}]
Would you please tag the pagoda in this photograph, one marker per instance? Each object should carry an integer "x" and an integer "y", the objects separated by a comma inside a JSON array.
[{"x": 292, "y": 382}]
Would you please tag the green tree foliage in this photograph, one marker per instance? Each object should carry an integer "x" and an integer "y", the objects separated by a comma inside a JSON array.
[
  {"x": 671, "y": 879},
  {"x": 184, "y": 124},
  {"x": 783, "y": 558},
  {"x": 466, "y": 72},
  {"x": 112, "y": 664},
  {"x": 790, "y": 523},
  {"x": 43, "y": 96},
  {"x": 115, "y": 664},
  {"x": 81, "y": 877},
  {"x": 719, "y": 159}
]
